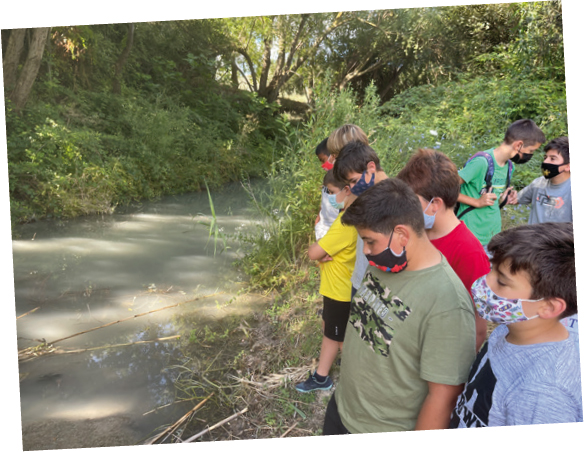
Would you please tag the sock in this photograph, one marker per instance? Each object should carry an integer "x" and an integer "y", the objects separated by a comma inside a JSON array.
[{"x": 319, "y": 378}]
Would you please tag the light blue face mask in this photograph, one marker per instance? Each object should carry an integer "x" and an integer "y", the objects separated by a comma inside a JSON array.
[
  {"x": 429, "y": 219},
  {"x": 332, "y": 198}
]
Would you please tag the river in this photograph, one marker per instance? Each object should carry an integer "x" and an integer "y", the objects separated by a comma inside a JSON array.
[{"x": 87, "y": 272}]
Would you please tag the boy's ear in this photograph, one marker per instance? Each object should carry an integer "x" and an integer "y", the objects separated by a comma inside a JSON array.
[
  {"x": 371, "y": 166},
  {"x": 402, "y": 233},
  {"x": 553, "y": 307},
  {"x": 517, "y": 145}
]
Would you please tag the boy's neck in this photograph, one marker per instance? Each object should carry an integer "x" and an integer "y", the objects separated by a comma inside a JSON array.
[
  {"x": 560, "y": 178},
  {"x": 443, "y": 225},
  {"x": 380, "y": 175},
  {"x": 536, "y": 331},
  {"x": 422, "y": 254},
  {"x": 503, "y": 153}
]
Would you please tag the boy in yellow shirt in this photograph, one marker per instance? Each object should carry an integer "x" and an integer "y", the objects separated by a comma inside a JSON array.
[{"x": 336, "y": 253}]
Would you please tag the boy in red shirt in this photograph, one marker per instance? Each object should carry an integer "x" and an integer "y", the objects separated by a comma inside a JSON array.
[{"x": 434, "y": 178}]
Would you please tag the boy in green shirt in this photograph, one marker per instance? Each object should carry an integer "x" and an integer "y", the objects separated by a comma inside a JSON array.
[
  {"x": 410, "y": 340},
  {"x": 482, "y": 214}
]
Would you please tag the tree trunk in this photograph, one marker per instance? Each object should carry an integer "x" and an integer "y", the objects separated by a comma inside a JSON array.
[
  {"x": 234, "y": 76},
  {"x": 12, "y": 57},
  {"x": 119, "y": 67},
  {"x": 19, "y": 95}
]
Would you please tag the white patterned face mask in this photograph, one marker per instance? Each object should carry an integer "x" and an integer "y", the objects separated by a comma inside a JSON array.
[{"x": 497, "y": 309}]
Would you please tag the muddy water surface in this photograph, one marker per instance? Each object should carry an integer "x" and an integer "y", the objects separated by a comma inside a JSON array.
[{"x": 91, "y": 271}]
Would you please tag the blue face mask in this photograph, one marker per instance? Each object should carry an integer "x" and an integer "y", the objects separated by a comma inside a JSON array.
[
  {"x": 332, "y": 198},
  {"x": 361, "y": 185},
  {"x": 429, "y": 219}
]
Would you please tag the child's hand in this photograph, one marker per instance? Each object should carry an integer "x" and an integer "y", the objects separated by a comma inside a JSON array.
[
  {"x": 512, "y": 197},
  {"x": 487, "y": 199},
  {"x": 317, "y": 219},
  {"x": 326, "y": 258}
]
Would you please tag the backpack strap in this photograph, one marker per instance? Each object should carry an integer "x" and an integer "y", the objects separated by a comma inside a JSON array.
[
  {"x": 509, "y": 172},
  {"x": 488, "y": 177}
]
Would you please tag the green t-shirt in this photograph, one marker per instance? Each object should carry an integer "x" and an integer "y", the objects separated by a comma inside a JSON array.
[
  {"x": 484, "y": 222},
  {"x": 404, "y": 330}
]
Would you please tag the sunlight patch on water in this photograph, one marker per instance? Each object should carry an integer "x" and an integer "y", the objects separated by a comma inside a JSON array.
[
  {"x": 74, "y": 245},
  {"x": 93, "y": 410}
]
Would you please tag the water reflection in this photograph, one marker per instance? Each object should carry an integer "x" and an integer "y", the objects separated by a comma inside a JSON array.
[{"x": 87, "y": 272}]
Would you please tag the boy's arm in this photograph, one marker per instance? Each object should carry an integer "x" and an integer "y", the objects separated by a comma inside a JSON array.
[
  {"x": 486, "y": 199},
  {"x": 438, "y": 406},
  {"x": 316, "y": 252}
]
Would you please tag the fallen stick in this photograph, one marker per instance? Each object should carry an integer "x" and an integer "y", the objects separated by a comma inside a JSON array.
[
  {"x": 27, "y": 313},
  {"x": 174, "y": 426},
  {"x": 289, "y": 430},
  {"x": 32, "y": 352},
  {"x": 167, "y": 405},
  {"x": 80, "y": 350},
  {"x": 218, "y": 424},
  {"x": 134, "y": 316}
]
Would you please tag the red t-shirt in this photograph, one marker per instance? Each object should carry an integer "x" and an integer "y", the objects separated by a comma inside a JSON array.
[{"x": 465, "y": 254}]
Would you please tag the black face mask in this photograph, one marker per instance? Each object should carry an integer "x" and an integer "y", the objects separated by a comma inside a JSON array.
[
  {"x": 520, "y": 158},
  {"x": 549, "y": 170},
  {"x": 387, "y": 259}
]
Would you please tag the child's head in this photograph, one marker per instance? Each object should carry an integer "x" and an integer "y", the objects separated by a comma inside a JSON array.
[
  {"x": 544, "y": 255},
  {"x": 353, "y": 160},
  {"x": 336, "y": 189},
  {"x": 322, "y": 152},
  {"x": 557, "y": 152},
  {"x": 524, "y": 130},
  {"x": 330, "y": 180},
  {"x": 384, "y": 206},
  {"x": 431, "y": 174},
  {"x": 343, "y": 135}
]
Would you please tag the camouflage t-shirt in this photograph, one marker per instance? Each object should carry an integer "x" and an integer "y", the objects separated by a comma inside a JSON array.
[{"x": 405, "y": 329}]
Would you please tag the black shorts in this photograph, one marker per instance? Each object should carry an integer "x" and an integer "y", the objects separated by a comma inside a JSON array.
[
  {"x": 332, "y": 420},
  {"x": 335, "y": 315}
]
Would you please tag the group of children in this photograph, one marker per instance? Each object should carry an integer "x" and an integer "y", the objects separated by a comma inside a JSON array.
[{"x": 414, "y": 267}]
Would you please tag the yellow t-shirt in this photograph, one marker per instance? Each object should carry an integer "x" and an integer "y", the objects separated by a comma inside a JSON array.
[{"x": 340, "y": 243}]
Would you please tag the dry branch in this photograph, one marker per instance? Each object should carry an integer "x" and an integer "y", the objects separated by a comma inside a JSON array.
[
  {"x": 289, "y": 430},
  {"x": 174, "y": 426},
  {"x": 218, "y": 424},
  {"x": 135, "y": 316},
  {"x": 29, "y": 312}
]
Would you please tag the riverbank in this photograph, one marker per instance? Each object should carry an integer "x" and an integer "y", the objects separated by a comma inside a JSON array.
[{"x": 252, "y": 363}]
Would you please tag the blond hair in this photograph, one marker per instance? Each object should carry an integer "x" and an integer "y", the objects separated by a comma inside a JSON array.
[{"x": 343, "y": 135}]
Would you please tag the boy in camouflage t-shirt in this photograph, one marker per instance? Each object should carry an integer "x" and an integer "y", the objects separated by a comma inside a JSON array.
[{"x": 411, "y": 334}]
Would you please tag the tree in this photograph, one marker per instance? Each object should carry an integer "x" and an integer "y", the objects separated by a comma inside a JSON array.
[
  {"x": 22, "y": 88},
  {"x": 120, "y": 63},
  {"x": 12, "y": 57},
  {"x": 274, "y": 48}
]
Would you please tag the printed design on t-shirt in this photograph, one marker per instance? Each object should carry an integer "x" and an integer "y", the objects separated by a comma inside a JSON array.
[
  {"x": 373, "y": 310},
  {"x": 554, "y": 202},
  {"x": 475, "y": 402}
]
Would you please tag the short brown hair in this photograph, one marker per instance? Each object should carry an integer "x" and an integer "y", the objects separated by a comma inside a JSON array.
[
  {"x": 545, "y": 251},
  {"x": 562, "y": 145},
  {"x": 343, "y": 135},
  {"x": 354, "y": 157},
  {"x": 525, "y": 130},
  {"x": 431, "y": 174},
  {"x": 330, "y": 179},
  {"x": 385, "y": 205}
]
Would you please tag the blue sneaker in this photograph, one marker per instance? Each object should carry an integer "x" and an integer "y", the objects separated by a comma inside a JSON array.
[{"x": 312, "y": 385}]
